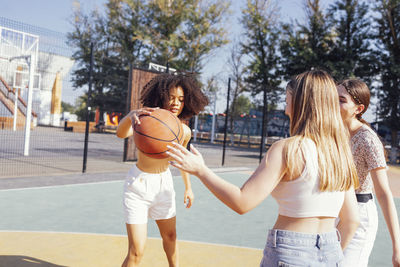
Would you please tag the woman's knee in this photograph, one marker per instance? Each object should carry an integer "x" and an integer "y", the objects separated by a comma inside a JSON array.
[
  {"x": 169, "y": 236},
  {"x": 135, "y": 253}
]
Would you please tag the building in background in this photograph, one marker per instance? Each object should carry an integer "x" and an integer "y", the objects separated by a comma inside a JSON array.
[{"x": 53, "y": 65}]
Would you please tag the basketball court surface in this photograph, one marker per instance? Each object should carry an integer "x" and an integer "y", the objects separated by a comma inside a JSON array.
[{"x": 82, "y": 224}]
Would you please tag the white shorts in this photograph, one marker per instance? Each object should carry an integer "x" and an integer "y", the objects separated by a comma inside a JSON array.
[
  {"x": 359, "y": 249},
  {"x": 148, "y": 195}
]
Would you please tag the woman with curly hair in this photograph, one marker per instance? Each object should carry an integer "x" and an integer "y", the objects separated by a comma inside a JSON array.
[{"x": 180, "y": 94}]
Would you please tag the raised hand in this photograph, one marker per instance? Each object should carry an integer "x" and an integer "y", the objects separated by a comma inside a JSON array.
[
  {"x": 191, "y": 162},
  {"x": 134, "y": 114}
]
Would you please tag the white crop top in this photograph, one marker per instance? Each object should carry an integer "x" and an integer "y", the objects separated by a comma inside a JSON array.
[{"x": 301, "y": 197}]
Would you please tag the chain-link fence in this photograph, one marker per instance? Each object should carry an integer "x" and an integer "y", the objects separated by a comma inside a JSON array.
[
  {"x": 243, "y": 130},
  {"x": 43, "y": 147}
]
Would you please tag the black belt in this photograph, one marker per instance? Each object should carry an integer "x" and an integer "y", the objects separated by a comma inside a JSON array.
[{"x": 363, "y": 198}]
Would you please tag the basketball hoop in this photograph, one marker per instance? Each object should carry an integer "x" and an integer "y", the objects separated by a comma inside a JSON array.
[{"x": 21, "y": 80}]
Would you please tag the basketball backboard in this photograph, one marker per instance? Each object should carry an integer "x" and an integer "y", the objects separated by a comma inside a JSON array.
[
  {"x": 160, "y": 68},
  {"x": 15, "y": 43}
]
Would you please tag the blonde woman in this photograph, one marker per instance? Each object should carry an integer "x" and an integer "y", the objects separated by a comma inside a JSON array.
[
  {"x": 369, "y": 158},
  {"x": 311, "y": 175}
]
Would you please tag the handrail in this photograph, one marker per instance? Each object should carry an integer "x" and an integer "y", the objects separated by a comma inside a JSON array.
[
  {"x": 6, "y": 103},
  {"x": 20, "y": 99}
]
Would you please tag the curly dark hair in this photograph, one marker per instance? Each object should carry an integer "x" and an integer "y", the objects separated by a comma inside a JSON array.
[{"x": 156, "y": 93}]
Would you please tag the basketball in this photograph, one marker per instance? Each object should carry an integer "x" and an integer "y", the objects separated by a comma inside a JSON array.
[{"x": 156, "y": 131}]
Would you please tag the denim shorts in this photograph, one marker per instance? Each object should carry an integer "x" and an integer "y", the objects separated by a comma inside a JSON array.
[{"x": 293, "y": 249}]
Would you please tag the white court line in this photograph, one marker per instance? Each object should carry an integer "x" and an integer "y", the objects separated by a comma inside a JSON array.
[
  {"x": 125, "y": 236},
  {"x": 217, "y": 170},
  {"x": 62, "y": 185}
]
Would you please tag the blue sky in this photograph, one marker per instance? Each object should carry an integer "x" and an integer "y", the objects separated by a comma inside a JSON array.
[
  {"x": 54, "y": 14},
  {"x": 49, "y": 14}
]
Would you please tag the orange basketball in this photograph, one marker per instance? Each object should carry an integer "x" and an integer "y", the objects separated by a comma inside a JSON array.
[{"x": 156, "y": 131}]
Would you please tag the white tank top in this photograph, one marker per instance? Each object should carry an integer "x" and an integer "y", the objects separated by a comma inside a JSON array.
[{"x": 301, "y": 197}]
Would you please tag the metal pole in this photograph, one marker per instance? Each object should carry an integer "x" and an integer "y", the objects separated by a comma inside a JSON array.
[
  {"x": 226, "y": 121},
  {"x": 196, "y": 123},
  {"x": 88, "y": 103},
  {"x": 191, "y": 129},
  {"x": 15, "y": 110},
  {"x": 29, "y": 106},
  {"x": 213, "y": 118},
  {"x": 377, "y": 111},
  {"x": 128, "y": 109},
  {"x": 263, "y": 125}
]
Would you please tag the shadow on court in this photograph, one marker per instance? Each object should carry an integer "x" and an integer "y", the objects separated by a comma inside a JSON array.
[{"x": 24, "y": 261}]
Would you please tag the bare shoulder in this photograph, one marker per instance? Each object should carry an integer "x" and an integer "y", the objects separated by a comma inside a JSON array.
[
  {"x": 277, "y": 150},
  {"x": 278, "y": 146},
  {"x": 274, "y": 160}
]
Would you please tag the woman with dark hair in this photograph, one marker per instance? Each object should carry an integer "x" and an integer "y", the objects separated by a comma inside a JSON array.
[
  {"x": 370, "y": 161},
  {"x": 148, "y": 190},
  {"x": 311, "y": 175}
]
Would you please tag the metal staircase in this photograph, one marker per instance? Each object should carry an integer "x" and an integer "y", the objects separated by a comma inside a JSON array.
[{"x": 7, "y": 99}]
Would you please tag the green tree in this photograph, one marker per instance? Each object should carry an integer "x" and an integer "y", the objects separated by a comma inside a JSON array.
[
  {"x": 67, "y": 107},
  {"x": 136, "y": 32},
  {"x": 260, "y": 25},
  {"x": 307, "y": 46},
  {"x": 184, "y": 32},
  {"x": 236, "y": 69},
  {"x": 352, "y": 53},
  {"x": 243, "y": 105},
  {"x": 127, "y": 29},
  {"x": 110, "y": 70},
  {"x": 213, "y": 88},
  {"x": 202, "y": 33},
  {"x": 81, "y": 109},
  {"x": 164, "y": 21},
  {"x": 388, "y": 33}
]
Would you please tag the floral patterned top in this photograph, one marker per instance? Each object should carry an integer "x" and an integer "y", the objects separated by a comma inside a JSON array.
[{"x": 368, "y": 154}]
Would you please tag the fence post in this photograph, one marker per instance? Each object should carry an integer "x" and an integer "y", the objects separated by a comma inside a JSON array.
[
  {"x": 29, "y": 105},
  {"x": 226, "y": 121},
  {"x": 213, "y": 118},
  {"x": 128, "y": 109},
  {"x": 196, "y": 123},
  {"x": 88, "y": 108},
  {"x": 263, "y": 126},
  {"x": 15, "y": 110}
]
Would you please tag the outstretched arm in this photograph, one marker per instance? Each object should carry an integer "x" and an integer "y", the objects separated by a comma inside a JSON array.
[
  {"x": 385, "y": 199},
  {"x": 254, "y": 190}
]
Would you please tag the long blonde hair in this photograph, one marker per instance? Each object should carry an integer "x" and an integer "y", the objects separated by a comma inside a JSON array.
[{"x": 316, "y": 115}]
